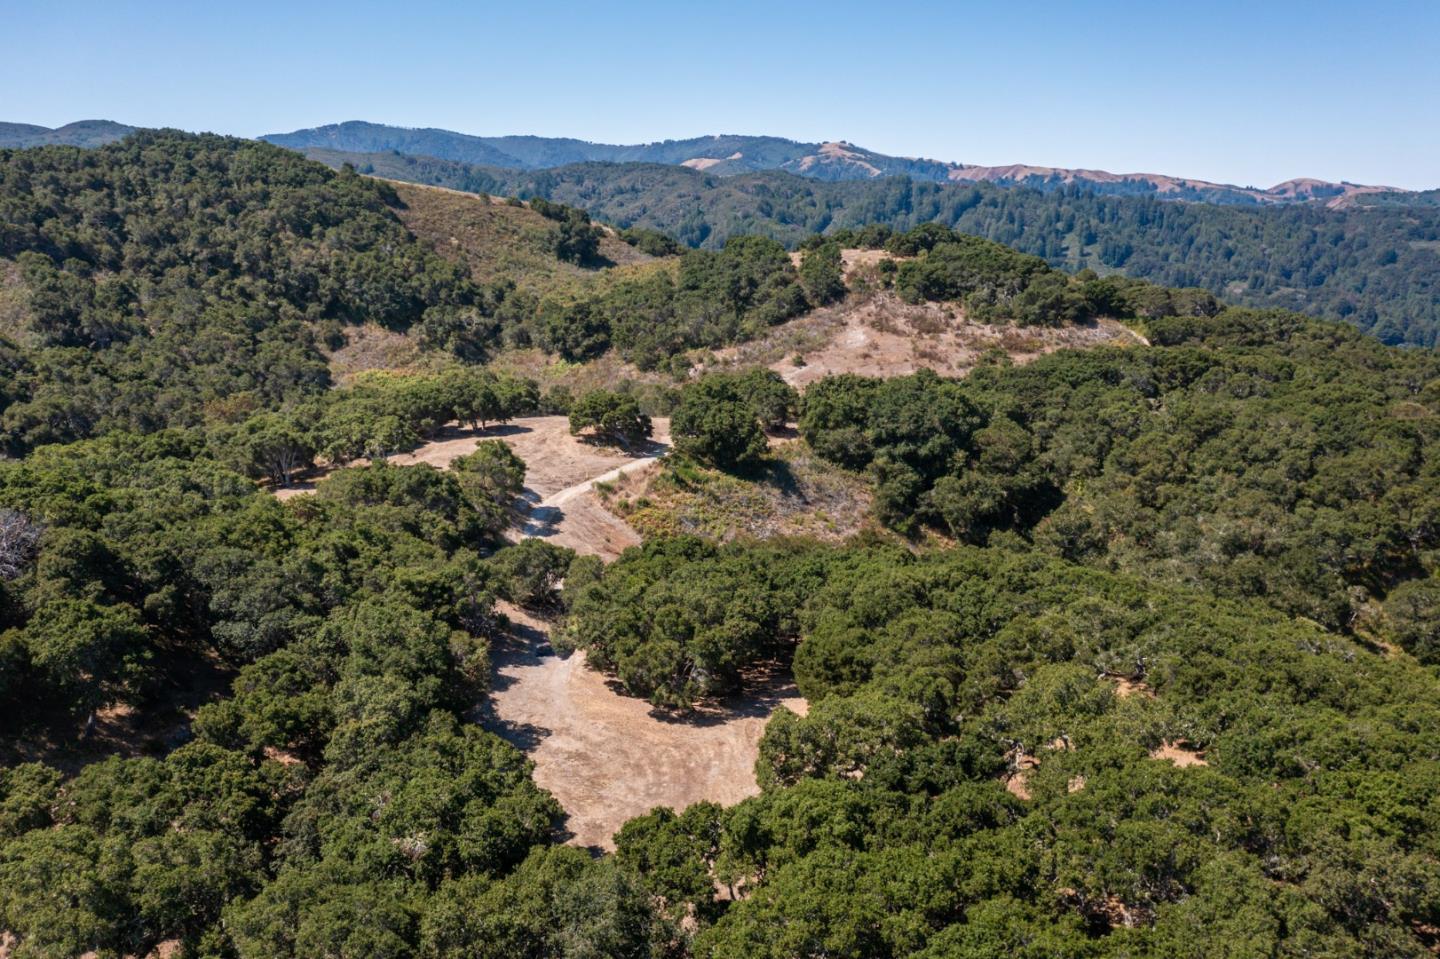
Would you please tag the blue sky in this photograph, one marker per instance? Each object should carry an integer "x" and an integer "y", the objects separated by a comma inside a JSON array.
[{"x": 1250, "y": 93}]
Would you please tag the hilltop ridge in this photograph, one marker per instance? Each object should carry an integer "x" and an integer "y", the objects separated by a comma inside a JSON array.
[
  {"x": 732, "y": 154},
  {"x": 729, "y": 154},
  {"x": 81, "y": 133}
]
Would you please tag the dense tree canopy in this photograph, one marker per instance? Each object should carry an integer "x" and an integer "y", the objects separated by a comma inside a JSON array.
[
  {"x": 610, "y": 417},
  {"x": 1138, "y": 660},
  {"x": 1373, "y": 263},
  {"x": 172, "y": 279},
  {"x": 1257, "y": 453},
  {"x": 884, "y": 828}
]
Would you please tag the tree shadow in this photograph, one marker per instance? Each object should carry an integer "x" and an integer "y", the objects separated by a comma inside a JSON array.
[
  {"x": 519, "y": 644},
  {"x": 597, "y": 262},
  {"x": 459, "y": 431},
  {"x": 650, "y": 448},
  {"x": 646, "y": 448},
  {"x": 523, "y": 736},
  {"x": 764, "y": 687},
  {"x": 542, "y": 522},
  {"x": 775, "y": 473},
  {"x": 154, "y": 725}
]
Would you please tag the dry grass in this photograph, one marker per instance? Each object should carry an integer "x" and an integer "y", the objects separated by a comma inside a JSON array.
[
  {"x": 498, "y": 240},
  {"x": 797, "y": 494},
  {"x": 551, "y": 371},
  {"x": 372, "y": 347},
  {"x": 877, "y": 334}
]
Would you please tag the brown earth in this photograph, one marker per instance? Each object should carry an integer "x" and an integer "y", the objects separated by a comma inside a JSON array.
[
  {"x": 559, "y": 473},
  {"x": 1126, "y": 687},
  {"x": 853, "y": 261},
  {"x": 1180, "y": 753},
  {"x": 878, "y": 334},
  {"x": 554, "y": 460},
  {"x": 608, "y": 757},
  {"x": 605, "y": 756},
  {"x": 560, "y": 469}
]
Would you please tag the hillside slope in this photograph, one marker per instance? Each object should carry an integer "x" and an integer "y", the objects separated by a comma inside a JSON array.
[
  {"x": 1375, "y": 264},
  {"x": 1135, "y": 655},
  {"x": 169, "y": 279},
  {"x": 502, "y": 240}
]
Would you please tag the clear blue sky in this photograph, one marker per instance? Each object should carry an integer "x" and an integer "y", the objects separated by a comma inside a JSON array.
[{"x": 1245, "y": 92}]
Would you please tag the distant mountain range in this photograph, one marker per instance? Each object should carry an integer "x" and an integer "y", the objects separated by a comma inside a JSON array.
[
  {"x": 726, "y": 155},
  {"x": 835, "y": 160},
  {"x": 82, "y": 133}
]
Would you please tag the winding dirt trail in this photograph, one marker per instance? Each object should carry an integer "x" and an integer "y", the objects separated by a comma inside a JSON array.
[
  {"x": 605, "y": 756},
  {"x": 558, "y": 502},
  {"x": 575, "y": 517}
]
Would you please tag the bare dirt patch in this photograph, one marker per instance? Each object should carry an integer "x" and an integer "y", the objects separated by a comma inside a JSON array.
[
  {"x": 1126, "y": 687},
  {"x": 878, "y": 334},
  {"x": 579, "y": 518},
  {"x": 607, "y": 757},
  {"x": 558, "y": 503},
  {"x": 853, "y": 262},
  {"x": 554, "y": 460},
  {"x": 1180, "y": 753},
  {"x": 1016, "y": 778}
]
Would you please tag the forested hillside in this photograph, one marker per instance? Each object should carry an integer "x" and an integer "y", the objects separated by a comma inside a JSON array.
[
  {"x": 1103, "y": 732},
  {"x": 1136, "y": 654},
  {"x": 1375, "y": 264},
  {"x": 174, "y": 280},
  {"x": 834, "y": 160},
  {"x": 171, "y": 278}
]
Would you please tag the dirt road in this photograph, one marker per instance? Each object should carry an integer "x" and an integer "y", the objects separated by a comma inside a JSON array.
[
  {"x": 576, "y": 518},
  {"x": 560, "y": 471},
  {"x": 605, "y": 756}
]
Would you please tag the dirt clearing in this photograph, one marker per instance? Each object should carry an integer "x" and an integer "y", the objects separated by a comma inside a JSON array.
[
  {"x": 1180, "y": 753},
  {"x": 878, "y": 334},
  {"x": 608, "y": 757},
  {"x": 554, "y": 460},
  {"x": 605, "y": 756},
  {"x": 557, "y": 503}
]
